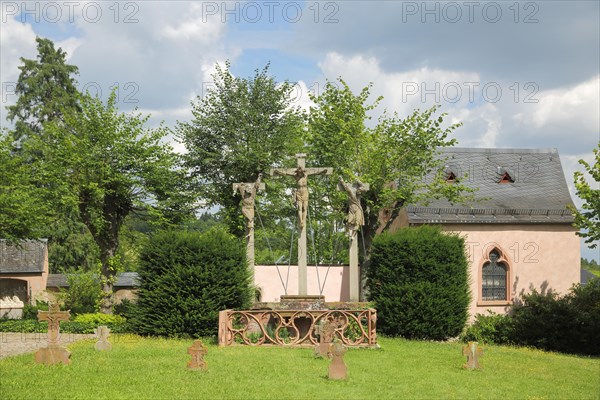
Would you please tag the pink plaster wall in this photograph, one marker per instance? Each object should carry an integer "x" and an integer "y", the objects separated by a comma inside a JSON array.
[
  {"x": 543, "y": 257},
  {"x": 334, "y": 283}
]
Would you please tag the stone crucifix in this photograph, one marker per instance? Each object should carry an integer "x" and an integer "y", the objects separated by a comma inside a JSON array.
[
  {"x": 53, "y": 353},
  {"x": 301, "y": 174},
  {"x": 355, "y": 219},
  {"x": 248, "y": 193}
]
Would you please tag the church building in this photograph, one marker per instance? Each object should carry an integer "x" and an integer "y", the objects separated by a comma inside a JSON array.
[{"x": 519, "y": 236}]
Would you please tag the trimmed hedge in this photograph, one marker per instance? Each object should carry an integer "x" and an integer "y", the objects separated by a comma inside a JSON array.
[
  {"x": 186, "y": 278},
  {"x": 33, "y": 326},
  {"x": 418, "y": 281}
]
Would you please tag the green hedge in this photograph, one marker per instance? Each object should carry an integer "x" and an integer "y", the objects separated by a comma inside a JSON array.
[
  {"x": 33, "y": 326},
  {"x": 186, "y": 278},
  {"x": 418, "y": 281}
]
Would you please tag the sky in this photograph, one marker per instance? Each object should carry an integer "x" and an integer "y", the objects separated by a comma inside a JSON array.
[{"x": 517, "y": 74}]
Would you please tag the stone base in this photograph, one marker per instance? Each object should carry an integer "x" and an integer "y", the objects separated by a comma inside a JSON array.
[
  {"x": 53, "y": 355},
  {"x": 297, "y": 302}
]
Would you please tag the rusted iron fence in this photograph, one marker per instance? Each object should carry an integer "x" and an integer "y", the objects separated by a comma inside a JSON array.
[{"x": 299, "y": 328}]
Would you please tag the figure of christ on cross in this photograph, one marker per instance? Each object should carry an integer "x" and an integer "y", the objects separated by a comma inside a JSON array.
[{"x": 301, "y": 174}]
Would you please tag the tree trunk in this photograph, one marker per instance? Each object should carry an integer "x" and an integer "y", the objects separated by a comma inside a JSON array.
[{"x": 107, "y": 276}]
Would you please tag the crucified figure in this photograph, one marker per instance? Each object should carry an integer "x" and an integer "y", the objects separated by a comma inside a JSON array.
[
  {"x": 356, "y": 216},
  {"x": 248, "y": 193}
]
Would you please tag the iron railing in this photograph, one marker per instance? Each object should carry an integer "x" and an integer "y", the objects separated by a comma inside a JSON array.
[{"x": 296, "y": 328}]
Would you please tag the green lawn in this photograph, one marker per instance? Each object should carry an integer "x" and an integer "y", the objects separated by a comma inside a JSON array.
[{"x": 156, "y": 368}]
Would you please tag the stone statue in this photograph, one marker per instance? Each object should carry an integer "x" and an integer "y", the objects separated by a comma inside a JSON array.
[
  {"x": 14, "y": 302},
  {"x": 301, "y": 192},
  {"x": 248, "y": 193},
  {"x": 356, "y": 216}
]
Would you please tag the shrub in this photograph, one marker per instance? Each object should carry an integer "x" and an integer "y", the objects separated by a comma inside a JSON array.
[
  {"x": 570, "y": 323},
  {"x": 31, "y": 311},
  {"x": 186, "y": 278},
  {"x": 418, "y": 281},
  {"x": 31, "y": 326},
  {"x": 125, "y": 308},
  {"x": 492, "y": 328},
  {"x": 84, "y": 292},
  {"x": 99, "y": 319}
]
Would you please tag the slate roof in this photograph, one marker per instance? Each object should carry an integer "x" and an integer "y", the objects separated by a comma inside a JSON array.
[
  {"x": 28, "y": 257},
  {"x": 124, "y": 279},
  {"x": 537, "y": 195}
]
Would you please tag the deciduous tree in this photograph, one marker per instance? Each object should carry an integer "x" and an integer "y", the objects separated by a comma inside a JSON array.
[
  {"x": 111, "y": 165},
  {"x": 588, "y": 218}
]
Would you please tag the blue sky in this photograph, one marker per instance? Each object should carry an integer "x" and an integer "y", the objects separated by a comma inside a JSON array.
[{"x": 518, "y": 74}]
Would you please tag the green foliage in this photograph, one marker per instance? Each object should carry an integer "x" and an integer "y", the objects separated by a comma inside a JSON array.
[
  {"x": 45, "y": 88},
  {"x": 99, "y": 319},
  {"x": 186, "y": 279},
  {"x": 570, "y": 323},
  {"x": 241, "y": 128},
  {"x": 34, "y": 326},
  {"x": 110, "y": 165},
  {"x": 125, "y": 308},
  {"x": 588, "y": 219},
  {"x": 31, "y": 311},
  {"x": 418, "y": 281},
  {"x": 591, "y": 266},
  {"x": 84, "y": 293},
  {"x": 492, "y": 328},
  {"x": 23, "y": 211}
]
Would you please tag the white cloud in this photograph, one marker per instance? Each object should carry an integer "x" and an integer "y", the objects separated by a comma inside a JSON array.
[
  {"x": 17, "y": 40},
  {"x": 580, "y": 103}
]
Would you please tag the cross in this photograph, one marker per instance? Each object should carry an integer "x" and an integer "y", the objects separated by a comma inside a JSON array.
[
  {"x": 197, "y": 350},
  {"x": 248, "y": 192},
  {"x": 355, "y": 219},
  {"x": 301, "y": 174},
  {"x": 54, "y": 316},
  {"x": 472, "y": 351}
]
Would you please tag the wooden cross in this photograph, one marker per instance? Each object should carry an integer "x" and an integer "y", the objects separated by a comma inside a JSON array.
[
  {"x": 473, "y": 352},
  {"x": 301, "y": 174},
  {"x": 54, "y": 316},
  {"x": 197, "y": 350}
]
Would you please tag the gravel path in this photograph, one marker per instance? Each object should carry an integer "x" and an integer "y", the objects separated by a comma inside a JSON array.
[{"x": 12, "y": 344}]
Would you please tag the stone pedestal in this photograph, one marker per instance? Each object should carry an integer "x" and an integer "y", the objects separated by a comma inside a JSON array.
[
  {"x": 302, "y": 302},
  {"x": 53, "y": 355}
]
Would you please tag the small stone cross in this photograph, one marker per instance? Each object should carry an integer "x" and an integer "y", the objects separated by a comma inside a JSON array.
[
  {"x": 326, "y": 331},
  {"x": 337, "y": 368},
  {"x": 197, "y": 350},
  {"x": 473, "y": 352},
  {"x": 102, "y": 344},
  {"x": 53, "y": 353}
]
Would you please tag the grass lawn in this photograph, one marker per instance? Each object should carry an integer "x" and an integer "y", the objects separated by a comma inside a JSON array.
[{"x": 139, "y": 368}]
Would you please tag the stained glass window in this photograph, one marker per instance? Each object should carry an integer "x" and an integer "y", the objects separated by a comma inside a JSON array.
[{"x": 494, "y": 278}]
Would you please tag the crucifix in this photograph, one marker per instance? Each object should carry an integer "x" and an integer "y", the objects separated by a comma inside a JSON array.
[
  {"x": 54, "y": 353},
  {"x": 301, "y": 174},
  {"x": 248, "y": 192},
  {"x": 355, "y": 219}
]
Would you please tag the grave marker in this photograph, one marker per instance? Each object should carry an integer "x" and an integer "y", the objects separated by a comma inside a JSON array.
[
  {"x": 197, "y": 350},
  {"x": 54, "y": 352},
  {"x": 472, "y": 351},
  {"x": 337, "y": 368},
  {"x": 102, "y": 344}
]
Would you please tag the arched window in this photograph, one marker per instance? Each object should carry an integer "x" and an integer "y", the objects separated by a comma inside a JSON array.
[{"x": 494, "y": 278}]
